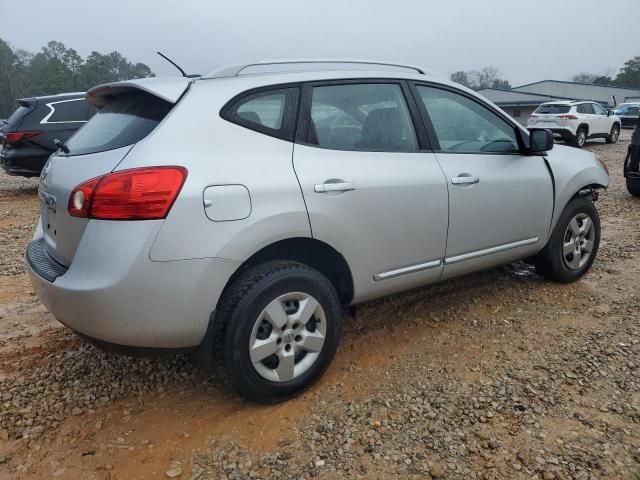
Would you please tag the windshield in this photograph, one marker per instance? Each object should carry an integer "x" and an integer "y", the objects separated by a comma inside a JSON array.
[
  {"x": 125, "y": 120},
  {"x": 553, "y": 108}
]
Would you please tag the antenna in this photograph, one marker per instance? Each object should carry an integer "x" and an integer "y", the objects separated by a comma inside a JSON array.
[{"x": 184, "y": 74}]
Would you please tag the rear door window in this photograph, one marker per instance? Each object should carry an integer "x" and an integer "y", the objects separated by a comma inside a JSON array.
[
  {"x": 124, "y": 120},
  {"x": 588, "y": 109},
  {"x": 272, "y": 112},
  {"x": 368, "y": 116}
]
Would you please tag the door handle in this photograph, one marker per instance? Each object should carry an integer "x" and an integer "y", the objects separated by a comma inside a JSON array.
[
  {"x": 334, "y": 187},
  {"x": 465, "y": 180}
]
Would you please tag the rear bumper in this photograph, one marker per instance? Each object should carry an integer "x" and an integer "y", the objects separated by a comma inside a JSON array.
[
  {"x": 114, "y": 293},
  {"x": 26, "y": 162},
  {"x": 564, "y": 133}
]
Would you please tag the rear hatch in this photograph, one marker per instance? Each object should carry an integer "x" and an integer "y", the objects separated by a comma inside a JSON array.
[
  {"x": 127, "y": 113},
  {"x": 550, "y": 115}
]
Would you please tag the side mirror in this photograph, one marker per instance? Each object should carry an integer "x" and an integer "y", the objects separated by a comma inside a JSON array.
[
  {"x": 609, "y": 113},
  {"x": 541, "y": 140}
]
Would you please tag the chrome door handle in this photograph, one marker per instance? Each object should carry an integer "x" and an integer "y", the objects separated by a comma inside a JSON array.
[
  {"x": 334, "y": 187},
  {"x": 465, "y": 180}
]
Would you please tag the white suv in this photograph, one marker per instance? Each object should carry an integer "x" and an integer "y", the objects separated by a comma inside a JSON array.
[{"x": 575, "y": 121}]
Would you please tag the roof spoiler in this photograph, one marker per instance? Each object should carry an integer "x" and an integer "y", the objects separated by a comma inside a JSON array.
[{"x": 169, "y": 89}]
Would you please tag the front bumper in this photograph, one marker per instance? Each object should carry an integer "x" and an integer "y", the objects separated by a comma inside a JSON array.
[{"x": 113, "y": 292}]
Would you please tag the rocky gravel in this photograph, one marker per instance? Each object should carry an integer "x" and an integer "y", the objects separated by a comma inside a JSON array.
[{"x": 499, "y": 375}]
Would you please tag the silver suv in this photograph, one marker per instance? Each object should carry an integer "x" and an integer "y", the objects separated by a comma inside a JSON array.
[{"x": 239, "y": 213}]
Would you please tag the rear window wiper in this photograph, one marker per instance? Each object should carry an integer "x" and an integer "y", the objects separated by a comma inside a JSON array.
[{"x": 61, "y": 145}]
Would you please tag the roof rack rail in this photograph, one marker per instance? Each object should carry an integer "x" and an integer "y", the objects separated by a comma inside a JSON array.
[{"x": 235, "y": 70}]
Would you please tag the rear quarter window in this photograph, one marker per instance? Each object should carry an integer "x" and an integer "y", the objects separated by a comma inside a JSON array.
[
  {"x": 66, "y": 111},
  {"x": 553, "y": 109},
  {"x": 271, "y": 111},
  {"x": 123, "y": 120}
]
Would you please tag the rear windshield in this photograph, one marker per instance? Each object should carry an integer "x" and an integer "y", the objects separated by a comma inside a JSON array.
[
  {"x": 125, "y": 120},
  {"x": 17, "y": 115},
  {"x": 553, "y": 108}
]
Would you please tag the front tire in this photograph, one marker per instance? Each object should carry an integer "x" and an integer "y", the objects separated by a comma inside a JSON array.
[
  {"x": 282, "y": 327},
  {"x": 573, "y": 245},
  {"x": 614, "y": 134},
  {"x": 633, "y": 186}
]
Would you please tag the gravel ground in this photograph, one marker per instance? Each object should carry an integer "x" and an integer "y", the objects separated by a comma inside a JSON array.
[{"x": 498, "y": 375}]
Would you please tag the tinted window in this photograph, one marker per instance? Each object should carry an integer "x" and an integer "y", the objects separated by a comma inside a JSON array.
[
  {"x": 553, "y": 108},
  {"x": 463, "y": 125},
  {"x": 67, "y": 111},
  {"x": 124, "y": 120},
  {"x": 367, "y": 116},
  {"x": 16, "y": 116},
  {"x": 599, "y": 109},
  {"x": 272, "y": 111},
  {"x": 588, "y": 109}
]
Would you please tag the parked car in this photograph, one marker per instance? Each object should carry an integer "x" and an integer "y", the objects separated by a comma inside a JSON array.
[
  {"x": 576, "y": 121},
  {"x": 240, "y": 213},
  {"x": 632, "y": 162},
  {"x": 27, "y": 139},
  {"x": 628, "y": 113}
]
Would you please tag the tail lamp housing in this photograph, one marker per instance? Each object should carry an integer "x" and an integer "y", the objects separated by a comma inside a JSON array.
[
  {"x": 136, "y": 194},
  {"x": 17, "y": 137}
]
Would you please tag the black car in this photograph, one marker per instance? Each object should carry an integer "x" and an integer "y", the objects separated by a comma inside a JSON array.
[
  {"x": 27, "y": 137},
  {"x": 632, "y": 163}
]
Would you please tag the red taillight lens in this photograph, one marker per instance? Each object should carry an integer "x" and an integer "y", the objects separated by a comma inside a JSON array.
[
  {"x": 136, "y": 194},
  {"x": 568, "y": 117},
  {"x": 15, "y": 137}
]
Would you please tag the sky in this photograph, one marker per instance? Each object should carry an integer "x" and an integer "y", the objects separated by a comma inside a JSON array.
[{"x": 527, "y": 40}]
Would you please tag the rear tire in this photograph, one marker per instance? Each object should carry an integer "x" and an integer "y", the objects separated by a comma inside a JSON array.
[
  {"x": 282, "y": 324},
  {"x": 581, "y": 138},
  {"x": 614, "y": 135},
  {"x": 633, "y": 186},
  {"x": 573, "y": 245}
]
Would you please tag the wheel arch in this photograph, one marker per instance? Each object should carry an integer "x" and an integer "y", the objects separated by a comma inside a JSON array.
[
  {"x": 311, "y": 252},
  {"x": 583, "y": 125}
]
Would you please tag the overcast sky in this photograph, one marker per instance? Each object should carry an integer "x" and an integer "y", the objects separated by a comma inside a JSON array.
[{"x": 527, "y": 40}]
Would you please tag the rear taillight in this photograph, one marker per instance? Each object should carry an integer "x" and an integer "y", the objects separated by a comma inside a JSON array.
[
  {"x": 567, "y": 117},
  {"x": 16, "y": 137},
  {"x": 137, "y": 194}
]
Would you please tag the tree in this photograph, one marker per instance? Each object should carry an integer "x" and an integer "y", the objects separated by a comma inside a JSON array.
[
  {"x": 592, "y": 79},
  {"x": 629, "y": 75},
  {"x": 488, "y": 77},
  {"x": 58, "y": 69},
  {"x": 461, "y": 78},
  {"x": 501, "y": 84}
]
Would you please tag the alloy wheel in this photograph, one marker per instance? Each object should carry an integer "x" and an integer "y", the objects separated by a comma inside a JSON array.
[
  {"x": 614, "y": 134},
  {"x": 578, "y": 241},
  {"x": 582, "y": 138},
  {"x": 287, "y": 337}
]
